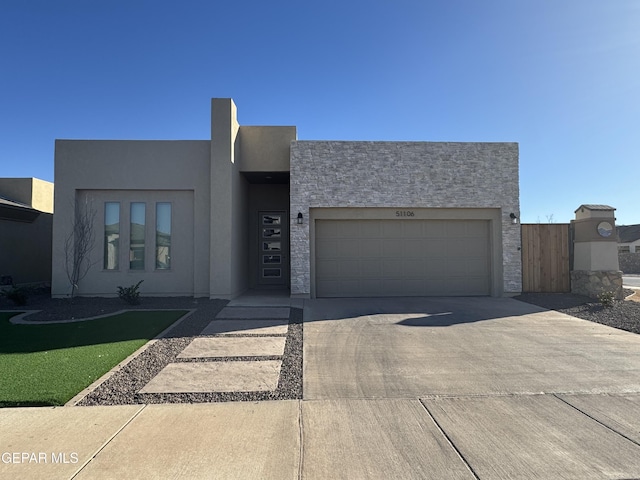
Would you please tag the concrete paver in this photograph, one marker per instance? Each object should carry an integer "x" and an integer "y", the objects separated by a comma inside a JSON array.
[
  {"x": 533, "y": 436},
  {"x": 247, "y": 327},
  {"x": 375, "y": 439},
  {"x": 234, "y": 376},
  {"x": 240, "y": 440},
  {"x": 254, "y": 312},
  {"x": 57, "y": 441},
  {"x": 203, "y": 347}
]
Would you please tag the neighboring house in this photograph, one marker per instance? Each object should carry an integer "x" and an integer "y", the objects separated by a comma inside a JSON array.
[
  {"x": 628, "y": 238},
  {"x": 26, "y": 219},
  {"x": 629, "y": 248},
  {"x": 254, "y": 208}
]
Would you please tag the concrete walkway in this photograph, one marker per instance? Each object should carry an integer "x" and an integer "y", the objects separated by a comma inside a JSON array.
[
  {"x": 393, "y": 388},
  {"x": 244, "y": 355}
]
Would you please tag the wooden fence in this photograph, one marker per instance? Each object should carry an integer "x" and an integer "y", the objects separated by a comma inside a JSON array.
[{"x": 545, "y": 258}]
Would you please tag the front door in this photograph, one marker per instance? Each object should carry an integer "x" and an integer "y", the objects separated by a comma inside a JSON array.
[{"x": 274, "y": 248}]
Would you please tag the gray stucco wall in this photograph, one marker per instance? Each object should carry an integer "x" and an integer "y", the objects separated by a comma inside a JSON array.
[
  {"x": 25, "y": 249},
  {"x": 130, "y": 170},
  {"x": 404, "y": 174}
]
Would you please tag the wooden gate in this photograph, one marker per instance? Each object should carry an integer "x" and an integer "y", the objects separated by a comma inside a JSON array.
[{"x": 545, "y": 258}]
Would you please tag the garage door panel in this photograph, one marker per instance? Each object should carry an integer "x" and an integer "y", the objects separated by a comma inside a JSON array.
[
  {"x": 328, "y": 268},
  {"x": 457, "y": 246},
  {"x": 413, "y": 247},
  {"x": 389, "y": 247},
  {"x": 476, "y": 247},
  {"x": 478, "y": 284},
  {"x": 477, "y": 266},
  {"x": 372, "y": 285},
  {"x": 456, "y": 229},
  {"x": 456, "y": 267},
  {"x": 392, "y": 229},
  {"x": 391, "y": 267},
  {"x": 477, "y": 229},
  {"x": 370, "y": 230},
  {"x": 414, "y": 268},
  {"x": 349, "y": 230},
  {"x": 349, "y": 248},
  {"x": 434, "y": 287},
  {"x": 435, "y": 247},
  {"x": 435, "y": 229},
  {"x": 402, "y": 257},
  {"x": 393, "y": 287},
  {"x": 327, "y": 248},
  {"x": 369, "y": 247},
  {"x": 349, "y": 267},
  {"x": 371, "y": 268},
  {"x": 437, "y": 266},
  {"x": 413, "y": 229}
]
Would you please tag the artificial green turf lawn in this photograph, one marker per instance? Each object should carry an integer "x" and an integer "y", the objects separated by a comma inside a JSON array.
[{"x": 50, "y": 364}]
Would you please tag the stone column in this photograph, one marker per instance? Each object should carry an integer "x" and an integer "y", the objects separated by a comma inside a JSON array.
[{"x": 595, "y": 255}]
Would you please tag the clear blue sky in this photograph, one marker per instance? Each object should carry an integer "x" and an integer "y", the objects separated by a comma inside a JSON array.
[{"x": 560, "y": 77}]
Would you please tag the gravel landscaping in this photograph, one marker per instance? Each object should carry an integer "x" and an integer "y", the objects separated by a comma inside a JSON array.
[
  {"x": 623, "y": 314},
  {"x": 122, "y": 386}
]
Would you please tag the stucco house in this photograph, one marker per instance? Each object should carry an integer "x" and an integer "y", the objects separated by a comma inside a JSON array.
[
  {"x": 628, "y": 238},
  {"x": 255, "y": 208},
  {"x": 26, "y": 219},
  {"x": 629, "y": 248}
]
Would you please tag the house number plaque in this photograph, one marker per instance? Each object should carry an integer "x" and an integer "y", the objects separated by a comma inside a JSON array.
[{"x": 405, "y": 213}]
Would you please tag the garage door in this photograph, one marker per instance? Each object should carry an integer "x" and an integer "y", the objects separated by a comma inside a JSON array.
[{"x": 360, "y": 258}]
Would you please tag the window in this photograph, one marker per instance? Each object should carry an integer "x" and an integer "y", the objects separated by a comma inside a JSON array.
[
  {"x": 111, "y": 235},
  {"x": 163, "y": 236},
  {"x": 623, "y": 249},
  {"x": 136, "y": 234}
]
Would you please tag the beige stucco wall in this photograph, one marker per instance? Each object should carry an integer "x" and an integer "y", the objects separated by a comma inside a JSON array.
[
  {"x": 36, "y": 193},
  {"x": 265, "y": 149},
  {"x": 595, "y": 256},
  {"x": 228, "y": 228},
  {"x": 130, "y": 170}
]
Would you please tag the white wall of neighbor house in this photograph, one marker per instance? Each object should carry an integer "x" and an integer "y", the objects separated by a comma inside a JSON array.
[
  {"x": 424, "y": 175},
  {"x": 135, "y": 171}
]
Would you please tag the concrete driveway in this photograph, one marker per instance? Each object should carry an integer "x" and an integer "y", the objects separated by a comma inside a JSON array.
[
  {"x": 503, "y": 388},
  {"x": 386, "y": 348}
]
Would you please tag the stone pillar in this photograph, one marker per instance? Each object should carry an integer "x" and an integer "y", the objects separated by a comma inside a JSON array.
[{"x": 595, "y": 252}]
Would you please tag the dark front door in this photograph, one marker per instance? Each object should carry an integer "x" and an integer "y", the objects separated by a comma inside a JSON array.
[{"x": 273, "y": 248}]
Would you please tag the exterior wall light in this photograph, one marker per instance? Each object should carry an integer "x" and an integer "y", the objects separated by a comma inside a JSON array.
[
  {"x": 513, "y": 217},
  {"x": 299, "y": 218}
]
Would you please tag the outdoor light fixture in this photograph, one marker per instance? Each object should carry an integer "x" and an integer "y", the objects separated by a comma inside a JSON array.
[
  {"x": 513, "y": 217},
  {"x": 299, "y": 218}
]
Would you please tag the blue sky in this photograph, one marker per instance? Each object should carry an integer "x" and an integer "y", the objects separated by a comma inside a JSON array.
[{"x": 560, "y": 77}]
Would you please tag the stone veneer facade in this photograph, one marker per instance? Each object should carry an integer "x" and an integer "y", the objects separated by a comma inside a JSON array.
[
  {"x": 629, "y": 262},
  {"x": 409, "y": 175},
  {"x": 593, "y": 283}
]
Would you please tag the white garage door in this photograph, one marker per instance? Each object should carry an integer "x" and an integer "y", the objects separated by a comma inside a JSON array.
[{"x": 361, "y": 258}]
